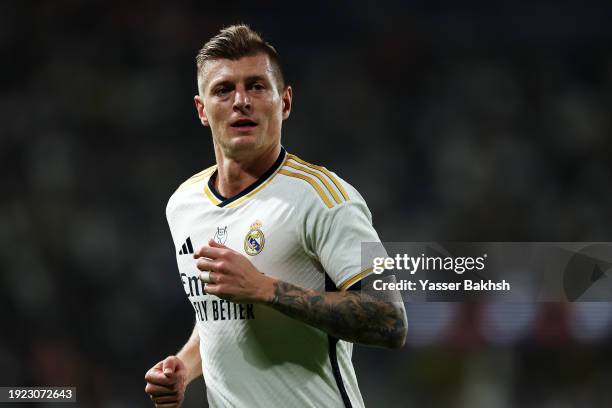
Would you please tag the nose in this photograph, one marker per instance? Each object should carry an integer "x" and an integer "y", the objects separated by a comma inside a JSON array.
[{"x": 242, "y": 101}]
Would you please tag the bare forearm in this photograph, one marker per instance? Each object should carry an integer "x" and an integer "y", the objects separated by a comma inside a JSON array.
[
  {"x": 347, "y": 315},
  {"x": 350, "y": 316},
  {"x": 190, "y": 356}
]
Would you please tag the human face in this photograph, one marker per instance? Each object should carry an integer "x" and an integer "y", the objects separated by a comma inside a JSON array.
[{"x": 241, "y": 102}]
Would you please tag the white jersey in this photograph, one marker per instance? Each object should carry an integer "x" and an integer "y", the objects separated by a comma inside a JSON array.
[{"x": 298, "y": 223}]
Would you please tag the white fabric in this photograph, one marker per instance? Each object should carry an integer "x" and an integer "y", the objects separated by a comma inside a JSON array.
[{"x": 253, "y": 356}]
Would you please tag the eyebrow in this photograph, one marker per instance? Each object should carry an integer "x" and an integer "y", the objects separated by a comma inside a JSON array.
[
  {"x": 249, "y": 79},
  {"x": 254, "y": 78}
]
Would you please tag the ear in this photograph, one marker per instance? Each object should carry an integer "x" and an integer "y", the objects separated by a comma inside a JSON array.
[
  {"x": 199, "y": 104},
  {"x": 287, "y": 100}
]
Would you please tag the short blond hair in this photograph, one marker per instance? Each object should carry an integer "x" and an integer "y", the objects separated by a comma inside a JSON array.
[{"x": 235, "y": 42}]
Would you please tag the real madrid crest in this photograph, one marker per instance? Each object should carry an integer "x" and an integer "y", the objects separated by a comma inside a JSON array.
[{"x": 255, "y": 240}]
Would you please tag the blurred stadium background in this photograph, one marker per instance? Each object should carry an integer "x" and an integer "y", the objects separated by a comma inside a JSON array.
[{"x": 488, "y": 121}]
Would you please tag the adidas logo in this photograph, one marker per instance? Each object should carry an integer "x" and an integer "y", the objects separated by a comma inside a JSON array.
[{"x": 187, "y": 247}]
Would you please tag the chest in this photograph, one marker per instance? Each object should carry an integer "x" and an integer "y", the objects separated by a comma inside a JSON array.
[{"x": 268, "y": 232}]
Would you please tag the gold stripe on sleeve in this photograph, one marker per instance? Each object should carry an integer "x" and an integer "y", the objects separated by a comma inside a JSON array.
[
  {"x": 312, "y": 183},
  {"x": 324, "y": 170},
  {"x": 349, "y": 282},
  {"x": 317, "y": 175}
]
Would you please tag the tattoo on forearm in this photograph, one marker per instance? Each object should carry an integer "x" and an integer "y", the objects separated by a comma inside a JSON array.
[{"x": 351, "y": 316}]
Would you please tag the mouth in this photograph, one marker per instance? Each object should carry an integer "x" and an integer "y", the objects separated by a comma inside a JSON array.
[{"x": 244, "y": 124}]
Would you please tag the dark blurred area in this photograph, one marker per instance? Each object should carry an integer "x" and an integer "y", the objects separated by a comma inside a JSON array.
[{"x": 481, "y": 122}]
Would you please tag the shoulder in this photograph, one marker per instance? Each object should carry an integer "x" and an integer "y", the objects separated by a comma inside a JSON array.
[
  {"x": 196, "y": 178},
  {"x": 193, "y": 183},
  {"x": 317, "y": 183}
]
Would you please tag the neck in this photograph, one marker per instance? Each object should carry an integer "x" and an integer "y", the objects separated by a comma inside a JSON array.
[{"x": 237, "y": 173}]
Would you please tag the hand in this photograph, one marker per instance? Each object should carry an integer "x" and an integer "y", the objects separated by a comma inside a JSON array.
[
  {"x": 232, "y": 276},
  {"x": 166, "y": 383}
]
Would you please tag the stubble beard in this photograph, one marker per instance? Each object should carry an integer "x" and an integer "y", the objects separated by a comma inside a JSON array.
[{"x": 236, "y": 148}]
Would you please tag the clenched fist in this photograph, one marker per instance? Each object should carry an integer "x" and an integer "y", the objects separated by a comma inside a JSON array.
[
  {"x": 166, "y": 383},
  {"x": 231, "y": 276}
]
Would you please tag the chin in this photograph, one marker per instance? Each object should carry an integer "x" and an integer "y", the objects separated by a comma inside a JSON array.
[
  {"x": 241, "y": 144},
  {"x": 245, "y": 142}
]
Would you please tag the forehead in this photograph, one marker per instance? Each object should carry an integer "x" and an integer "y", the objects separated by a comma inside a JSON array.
[{"x": 220, "y": 70}]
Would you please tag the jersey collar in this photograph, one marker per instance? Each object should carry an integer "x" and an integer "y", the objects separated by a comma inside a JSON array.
[{"x": 220, "y": 201}]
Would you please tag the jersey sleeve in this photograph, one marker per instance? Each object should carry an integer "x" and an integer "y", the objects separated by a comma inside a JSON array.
[{"x": 337, "y": 237}]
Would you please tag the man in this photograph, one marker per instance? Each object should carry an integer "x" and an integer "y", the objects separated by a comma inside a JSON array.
[{"x": 267, "y": 246}]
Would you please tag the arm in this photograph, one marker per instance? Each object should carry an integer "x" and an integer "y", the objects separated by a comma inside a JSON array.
[
  {"x": 190, "y": 356},
  {"x": 349, "y": 316},
  {"x": 168, "y": 379}
]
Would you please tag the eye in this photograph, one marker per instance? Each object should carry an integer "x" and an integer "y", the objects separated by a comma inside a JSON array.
[
  {"x": 221, "y": 91},
  {"x": 258, "y": 86}
]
